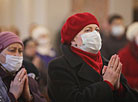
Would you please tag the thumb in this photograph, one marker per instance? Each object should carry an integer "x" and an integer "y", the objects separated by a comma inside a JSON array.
[{"x": 104, "y": 69}]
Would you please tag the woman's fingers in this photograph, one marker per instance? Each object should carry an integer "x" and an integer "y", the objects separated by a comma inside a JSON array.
[
  {"x": 20, "y": 74},
  {"x": 23, "y": 79},
  {"x": 119, "y": 68},
  {"x": 104, "y": 69},
  {"x": 116, "y": 63},
  {"x": 113, "y": 71},
  {"x": 111, "y": 62}
]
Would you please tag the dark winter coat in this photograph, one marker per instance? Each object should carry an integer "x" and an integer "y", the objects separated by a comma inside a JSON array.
[
  {"x": 34, "y": 88},
  {"x": 70, "y": 79}
]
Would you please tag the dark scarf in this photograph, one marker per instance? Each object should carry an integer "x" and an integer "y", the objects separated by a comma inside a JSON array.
[{"x": 93, "y": 60}]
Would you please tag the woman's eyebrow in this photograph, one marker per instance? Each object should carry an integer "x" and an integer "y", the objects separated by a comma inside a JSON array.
[
  {"x": 88, "y": 27},
  {"x": 11, "y": 47}
]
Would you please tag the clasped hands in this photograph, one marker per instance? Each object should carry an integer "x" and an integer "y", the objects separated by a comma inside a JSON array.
[
  {"x": 112, "y": 72},
  {"x": 20, "y": 87}
]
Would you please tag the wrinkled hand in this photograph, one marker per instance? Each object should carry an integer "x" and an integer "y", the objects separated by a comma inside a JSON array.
[
  {"x": 16, "y": 86},
  {"x": 117, "y": 85},
  {"x": 112, "y": 71},
  {"x": 26, "y": 91}
]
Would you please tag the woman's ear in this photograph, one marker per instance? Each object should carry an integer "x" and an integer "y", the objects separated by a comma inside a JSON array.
[
  {"x": 2, "y": 58},
  {"x": 73, "y": 43}
]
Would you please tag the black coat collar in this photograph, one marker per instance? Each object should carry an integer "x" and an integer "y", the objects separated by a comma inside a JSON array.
[
  {"x": 85, "y": 72},
  {"x": 71, "y": 57}
]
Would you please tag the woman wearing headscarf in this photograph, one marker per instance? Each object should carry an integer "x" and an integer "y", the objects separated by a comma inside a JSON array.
[
  {"x": 80, "y": 74},
  {"x": 18, "y": 87},
  {"x": 129, "y": 56}
]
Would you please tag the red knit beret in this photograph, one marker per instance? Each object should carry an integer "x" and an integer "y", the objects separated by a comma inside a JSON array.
[
  {"x": 7, "y": 38},
  {"x": 75, "y": 24}
]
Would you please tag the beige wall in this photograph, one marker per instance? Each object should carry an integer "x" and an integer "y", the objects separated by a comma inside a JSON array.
[
  {"x": 5, "y": 12},
  {"x": 52, "y": 13},
  {"x": 97, "y": 7},
  {"x": 58, "y": 10},
  {"x": 22, "y": 13}
]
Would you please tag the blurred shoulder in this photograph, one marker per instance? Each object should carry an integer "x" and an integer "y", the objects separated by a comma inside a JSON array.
[{"x": 57, "y": 62}]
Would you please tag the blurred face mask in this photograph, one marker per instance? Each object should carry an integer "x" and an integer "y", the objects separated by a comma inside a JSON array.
[
  {"x": 91, "y": 42},
  {"x": 43, "y": 41},
  {"x": 118, "y": 30},
  {"x": 13, "y": 63},
  {"x": 136, "y": 40}
]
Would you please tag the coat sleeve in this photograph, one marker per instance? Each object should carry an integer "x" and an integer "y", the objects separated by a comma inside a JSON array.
[
  {"x": 129, "y": 95},
  {"x": 37, "y": 96},
  {"x": 63, "y": 87},
  {"x": 11, "y": 96}
]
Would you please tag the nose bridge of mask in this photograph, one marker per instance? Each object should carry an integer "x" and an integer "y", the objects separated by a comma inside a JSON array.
[
  {"x": 89, "y": 36},
  {"x": 14, "y": 58}
]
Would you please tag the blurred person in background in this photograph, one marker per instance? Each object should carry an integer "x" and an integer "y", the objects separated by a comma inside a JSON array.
[
  {"x": 129, "y": 56},
  {"x": 45, "y": 49},
  {"x": 31, "y": 69},
  {"x": 30, "y": 55},
  {"x": 30, "y": 47},
  {"x": 18, "y": 86},
  {"x": 80, "y": 74},
  {"x": 117, "y": 37}
]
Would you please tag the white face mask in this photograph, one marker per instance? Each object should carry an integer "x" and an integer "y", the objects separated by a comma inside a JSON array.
[
  {"x": 118, "y": 30},
  {"x": 43, "y": 41},
  {"x": 91, "y": 42},
  {"x": 13, "y": 63}
]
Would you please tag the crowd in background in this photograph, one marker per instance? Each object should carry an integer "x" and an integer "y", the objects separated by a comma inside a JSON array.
[{"x": 120, "y": 40}]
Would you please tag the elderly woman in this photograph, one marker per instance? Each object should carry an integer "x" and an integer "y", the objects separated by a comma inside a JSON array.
[
  {"x": 77, "y": 76},
  {"x": 17, "y": 86},
  {"x": 129, "y": 56}
]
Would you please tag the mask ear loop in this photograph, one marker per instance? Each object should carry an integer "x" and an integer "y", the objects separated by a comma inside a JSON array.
[
  {"x": 2, "y": 58},
  {"x": 1, "y": 63}
]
